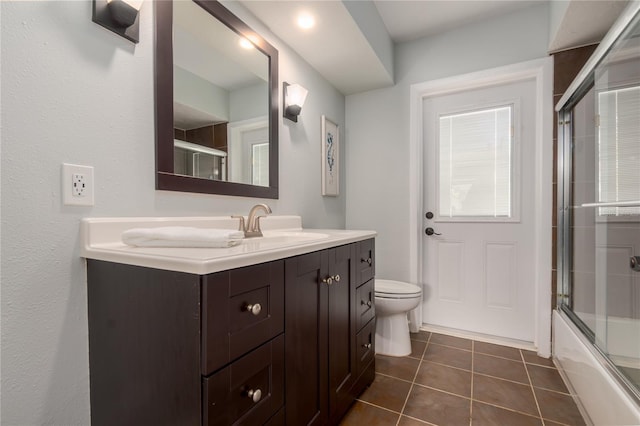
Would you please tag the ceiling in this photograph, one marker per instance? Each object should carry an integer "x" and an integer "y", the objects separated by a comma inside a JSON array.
[
  {"x": 353, "y": 62},
  {"x": 410, "y": 20}
]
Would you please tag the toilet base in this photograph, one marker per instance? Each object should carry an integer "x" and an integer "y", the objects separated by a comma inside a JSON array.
[{"x": 396, "y": 326}]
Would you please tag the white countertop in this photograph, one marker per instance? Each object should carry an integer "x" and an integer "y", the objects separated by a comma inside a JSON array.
[{"x": 284, "y": 237}]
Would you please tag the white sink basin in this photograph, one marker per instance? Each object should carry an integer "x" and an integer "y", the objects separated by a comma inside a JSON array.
[{"x": 286, "y": 237}]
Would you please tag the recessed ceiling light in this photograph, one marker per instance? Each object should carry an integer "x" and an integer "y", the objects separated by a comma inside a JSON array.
[{"x": 306, "y": 21}]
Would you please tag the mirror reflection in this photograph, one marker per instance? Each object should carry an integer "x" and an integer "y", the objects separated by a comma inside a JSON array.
[{"x": 220, "y": 100}]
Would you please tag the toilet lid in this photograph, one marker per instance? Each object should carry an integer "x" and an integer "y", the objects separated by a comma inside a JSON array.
[{"x": 388, "y": 288}]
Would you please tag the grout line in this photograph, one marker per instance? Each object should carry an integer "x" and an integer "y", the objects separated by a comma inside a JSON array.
[
  {"x": 508, "y": 409},
  {"x": 377, "y": 406},
  {"x": 442, "y": 391},
  {"x": 419, "y": 420},
  {"x": 498, "y": 356},
  {"x": 535, "y": 398},
  {"x": 540, "y": 365},
  {"x": 553, "y": 390},
  {"x": 502, "y": 378},
  {"x": 452, "y": 347},
  {"x": 446, "y": 365},
  {"x": 388, "y": 375},
  {"x": 414, "y": 381}
]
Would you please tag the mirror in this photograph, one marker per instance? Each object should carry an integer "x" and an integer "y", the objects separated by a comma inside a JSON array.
[{"x": 216, "y": 102}]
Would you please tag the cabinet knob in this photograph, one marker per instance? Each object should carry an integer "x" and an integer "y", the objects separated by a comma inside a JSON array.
[
  {"x": 368, "y": 303},
  {"x": 255, "y": 308},
  {"x": 330, "y": 279},
  {"x": 367, "y": 260},
  {"x": 367, "y": 345},
  {"x": 255, "y": 395}
]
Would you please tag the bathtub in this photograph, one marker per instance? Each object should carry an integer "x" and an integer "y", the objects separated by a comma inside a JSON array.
[{"x": 601, "y": 399}]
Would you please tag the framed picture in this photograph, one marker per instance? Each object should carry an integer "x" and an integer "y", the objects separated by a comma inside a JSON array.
[{"x": 330, "y": 157}]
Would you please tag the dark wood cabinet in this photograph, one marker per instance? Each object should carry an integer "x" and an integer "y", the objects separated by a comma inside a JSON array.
[
  {"x": 325, "y": 365},
  {"x": 168, "y": 348},
  {"x": 283, "y": 342}
]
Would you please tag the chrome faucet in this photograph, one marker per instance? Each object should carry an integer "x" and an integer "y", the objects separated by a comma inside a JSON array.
[{"x": 252, "y": 227}]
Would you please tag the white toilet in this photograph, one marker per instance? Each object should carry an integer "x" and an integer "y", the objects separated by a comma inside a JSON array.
[{"x": 394, "y": 300}]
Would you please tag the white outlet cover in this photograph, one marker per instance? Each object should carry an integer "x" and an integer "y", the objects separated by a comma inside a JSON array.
[{"x": 68, "y": 196}]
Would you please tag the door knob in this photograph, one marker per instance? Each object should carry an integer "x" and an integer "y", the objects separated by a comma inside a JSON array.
[
  {"x": 430, "y": 231},
  {"x": 635, "y": 263},
  {"x": 429, "y": 215}
]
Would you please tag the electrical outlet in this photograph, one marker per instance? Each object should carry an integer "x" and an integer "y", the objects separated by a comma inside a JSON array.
[{"x": 77, "y": 185}]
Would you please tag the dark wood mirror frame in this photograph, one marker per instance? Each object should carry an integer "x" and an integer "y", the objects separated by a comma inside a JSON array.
[{"x": 165, "y": 177}]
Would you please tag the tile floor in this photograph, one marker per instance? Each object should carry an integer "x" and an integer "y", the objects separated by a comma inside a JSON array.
[{"x": 452, "y": 381}]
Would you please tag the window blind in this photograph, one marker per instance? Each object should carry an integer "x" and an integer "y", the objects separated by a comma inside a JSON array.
[
  {"x": 260, "y": 164},
  {"x": 475, "y": 164},
  {"x": 619, "y": 149}
]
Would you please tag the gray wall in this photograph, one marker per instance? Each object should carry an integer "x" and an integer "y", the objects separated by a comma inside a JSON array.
[
  {"x": 188, "y": 89},
  {"x": 75, "y": 92},
  {"x": 377, "y": 135}
]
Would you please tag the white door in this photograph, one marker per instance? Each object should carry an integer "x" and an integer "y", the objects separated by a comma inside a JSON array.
[{"x": 479, "y": 182}]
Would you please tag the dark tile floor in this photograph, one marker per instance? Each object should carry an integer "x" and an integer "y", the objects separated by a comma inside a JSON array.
[{"x": 452, "y": 381}]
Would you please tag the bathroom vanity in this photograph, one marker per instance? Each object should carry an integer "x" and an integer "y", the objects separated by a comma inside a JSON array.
[{"x": 277, "y": 330}]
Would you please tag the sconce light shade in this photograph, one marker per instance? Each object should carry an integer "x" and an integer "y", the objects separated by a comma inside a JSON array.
[
  {"x": 294, "y": 97},
  {"x": 119, "y": 16}
]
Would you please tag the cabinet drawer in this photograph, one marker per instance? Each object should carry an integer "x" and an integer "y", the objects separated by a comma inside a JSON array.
[
  {"x": 365, "y": 350},
  {"x": 365, "y": 261},
  {"x": 365, "y": 301},
  {"x": 249, "y": 391},
  {"x": 241, "y": 309}
]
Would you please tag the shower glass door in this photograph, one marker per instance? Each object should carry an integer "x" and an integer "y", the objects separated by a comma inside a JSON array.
[{"x": 601, "y": 207}]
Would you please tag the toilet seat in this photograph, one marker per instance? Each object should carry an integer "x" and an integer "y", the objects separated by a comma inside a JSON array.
[{"x": 396, "y": 289}]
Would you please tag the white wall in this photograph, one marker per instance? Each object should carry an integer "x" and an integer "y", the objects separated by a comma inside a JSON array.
[
  {"x": 75, "y": 92},
  {"x": 377, "y": 135}
]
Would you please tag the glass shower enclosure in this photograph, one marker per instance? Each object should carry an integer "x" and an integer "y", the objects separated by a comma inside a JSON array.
[{"x": 599, "y": 202}]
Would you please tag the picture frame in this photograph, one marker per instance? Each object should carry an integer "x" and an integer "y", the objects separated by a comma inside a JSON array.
[{"x": 330, "y": 158}]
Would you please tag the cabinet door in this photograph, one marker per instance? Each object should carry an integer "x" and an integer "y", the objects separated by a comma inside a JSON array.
[
  {"x": 341, "y": 329},
  {"x": 306, "y": 339},
  {"x": 144, "y": 341}
]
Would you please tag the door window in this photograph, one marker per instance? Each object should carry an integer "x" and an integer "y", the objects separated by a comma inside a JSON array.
[
  {"x": 475, "y": 167},
  {"x": 619, "y": 150}
]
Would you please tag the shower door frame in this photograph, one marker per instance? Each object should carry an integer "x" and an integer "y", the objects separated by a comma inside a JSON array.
[{"x": 580, "y": 86}]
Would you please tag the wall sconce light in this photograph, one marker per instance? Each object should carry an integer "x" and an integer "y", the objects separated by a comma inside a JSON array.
[
  {"x": 294, "y": 96},
  {"x": 119, "y": 16}
]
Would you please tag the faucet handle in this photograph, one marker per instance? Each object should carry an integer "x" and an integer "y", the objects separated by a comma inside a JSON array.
[
  {"x": 256, "y": 225},
  {"x": 241, "y": 226}
]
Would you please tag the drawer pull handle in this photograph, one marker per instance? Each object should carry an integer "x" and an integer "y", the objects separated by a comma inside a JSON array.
[
  {"x": 368, "y": 260},
  {"x": 255, "y": 395},
  {"x": 368, "y": 303},
  {"x": 367, "y": 345},
  {"x": 255, "y": 308}
]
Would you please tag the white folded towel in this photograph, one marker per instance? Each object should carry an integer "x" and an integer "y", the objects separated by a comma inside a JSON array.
[{"x": 181, "y": 236}]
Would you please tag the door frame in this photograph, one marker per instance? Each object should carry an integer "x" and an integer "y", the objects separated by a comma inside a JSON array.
[{"x": 541, "y": 70}]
